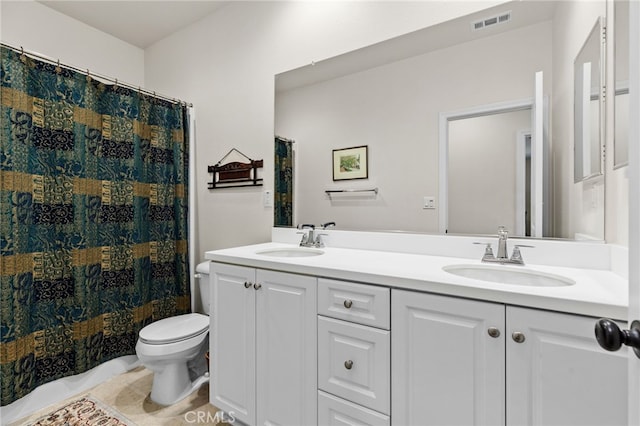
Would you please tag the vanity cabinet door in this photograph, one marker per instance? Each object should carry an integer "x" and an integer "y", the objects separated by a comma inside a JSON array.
[
  {"x": 286, "y": 318},
  {"x": 233, "y": 341},
  {"x": 558, "y": 375},
  {"x": 264, "y": 345},
  {"x": 446, "y": 367}
]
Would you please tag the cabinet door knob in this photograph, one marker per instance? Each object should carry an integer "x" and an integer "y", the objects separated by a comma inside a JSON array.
[
  {"x": 348, "y": 364},
  {"x": 611, "y": 338},
  {"x": 517, "y": 337},
  {"x": 247, "y": 284},
  {"x": 348, "y": 303},
  {"x": 494, "y": 332},
  {"x": 257, "y": 286}
]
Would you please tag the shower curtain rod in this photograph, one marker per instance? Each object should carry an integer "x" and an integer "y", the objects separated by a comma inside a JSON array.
[{"x": 92, "y": 74}]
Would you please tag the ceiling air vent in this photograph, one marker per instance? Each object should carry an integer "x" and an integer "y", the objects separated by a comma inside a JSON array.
[{"x": 491, "y": 21}]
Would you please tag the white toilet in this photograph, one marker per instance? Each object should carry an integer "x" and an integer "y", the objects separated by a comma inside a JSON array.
[{"x": 174, "y": 349}]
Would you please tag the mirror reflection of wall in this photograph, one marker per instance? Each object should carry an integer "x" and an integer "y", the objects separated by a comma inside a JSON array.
[
  {"x": 394, "y": 109},
  {"x": 392, "y": 105},
  {"x": 621, "y": 69}
]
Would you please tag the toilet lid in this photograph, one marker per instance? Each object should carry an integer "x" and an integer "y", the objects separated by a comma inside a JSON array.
[{"x": 175, "y": 329}]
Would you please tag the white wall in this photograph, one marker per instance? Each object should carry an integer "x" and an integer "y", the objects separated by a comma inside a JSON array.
[
  {"x": 225, "y": 64},
  {"x": 40, "y": 29}
]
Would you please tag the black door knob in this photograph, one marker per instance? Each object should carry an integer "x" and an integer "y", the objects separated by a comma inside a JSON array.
[{"x": 611, "y": 338}]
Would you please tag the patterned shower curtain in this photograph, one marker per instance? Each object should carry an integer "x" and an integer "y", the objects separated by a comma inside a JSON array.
[
  {"x": 93, "y": 220},
  {"x": 283, "y": 183}
]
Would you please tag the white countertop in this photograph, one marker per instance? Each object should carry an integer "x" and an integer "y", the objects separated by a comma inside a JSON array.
[{"x": 596, "y": 292}]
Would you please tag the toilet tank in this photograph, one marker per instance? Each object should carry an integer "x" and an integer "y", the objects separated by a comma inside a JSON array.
[{"x": 202, "y": 276}]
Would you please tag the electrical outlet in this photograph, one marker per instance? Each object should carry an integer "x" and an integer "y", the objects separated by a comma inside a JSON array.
[{"x": 429, "y": 202}]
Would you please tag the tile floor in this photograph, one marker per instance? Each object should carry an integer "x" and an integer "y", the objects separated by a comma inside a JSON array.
[{"x": 128, "y": 393}]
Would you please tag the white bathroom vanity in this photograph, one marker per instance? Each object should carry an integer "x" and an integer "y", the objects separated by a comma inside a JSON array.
[{"x": 386, "y": 335}]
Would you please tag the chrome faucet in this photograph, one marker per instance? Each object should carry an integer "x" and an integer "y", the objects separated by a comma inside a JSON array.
[
  {"x": 309, "y": 238},
  {"x": 503, "y": 257},
  {"x": 503, "y": 235}
]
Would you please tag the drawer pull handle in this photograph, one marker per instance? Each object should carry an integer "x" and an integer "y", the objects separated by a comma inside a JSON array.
[
  {"x": 494, "y": 332},
  {"x": 348, "y": 364},
  {"x": 518, "y": 337},
  {"x": 348, "y": 303},
  {"x": 247, "y": 284},
  {"x": 257, "y": 286}
]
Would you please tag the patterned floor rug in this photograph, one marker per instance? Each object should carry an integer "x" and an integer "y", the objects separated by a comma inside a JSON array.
[{"x": 86, "y": 410}]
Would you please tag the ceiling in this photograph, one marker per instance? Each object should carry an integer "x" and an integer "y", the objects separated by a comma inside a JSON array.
[{"x": 140, "y": 23}]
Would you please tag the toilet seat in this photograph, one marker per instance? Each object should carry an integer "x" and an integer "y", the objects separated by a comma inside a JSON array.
[{"x": 174, "y": 329}]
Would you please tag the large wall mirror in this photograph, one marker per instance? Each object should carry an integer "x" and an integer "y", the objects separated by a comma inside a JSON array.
[
  {"x": 588, "y": 106},
  {"x": 390, "y": 98}
]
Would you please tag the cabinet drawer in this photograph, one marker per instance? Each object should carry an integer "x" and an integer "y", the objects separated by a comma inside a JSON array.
[
  {"x": 361, "y": 303},
  {"x": 354, "y": 363},
  {"x": 334, "y": 411}
]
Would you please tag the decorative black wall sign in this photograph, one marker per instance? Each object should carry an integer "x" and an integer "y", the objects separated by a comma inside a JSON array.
[{"x": 235, "y": 174}]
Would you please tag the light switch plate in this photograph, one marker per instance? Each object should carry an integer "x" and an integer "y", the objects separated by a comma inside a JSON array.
[{"x": 267, "y": 198}]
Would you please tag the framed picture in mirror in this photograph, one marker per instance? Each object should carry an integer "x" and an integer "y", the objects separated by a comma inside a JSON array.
[{"x": 351, "y": 163}]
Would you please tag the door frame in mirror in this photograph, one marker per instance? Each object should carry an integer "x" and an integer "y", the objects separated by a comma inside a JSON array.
[
  {"x": 443, "y": 142},
  {"x": 579, "y": 145},
  {"x": 621, "y": 87}
]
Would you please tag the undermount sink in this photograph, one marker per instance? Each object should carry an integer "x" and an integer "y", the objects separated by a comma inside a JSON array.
[
  {"x": 509, "y": 275},
  {"x": 291, "y": 252}
]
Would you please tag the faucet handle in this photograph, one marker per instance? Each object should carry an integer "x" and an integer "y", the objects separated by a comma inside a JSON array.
[
  {"x": 306, "y": 225},
  {"x": 328, "y": 224},
  {"x": 488, "y": 250},
  {"x": 319, "y": 242},
  {"x": 516, "y": 256},
  {"x": 305, "y": 238}
]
